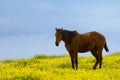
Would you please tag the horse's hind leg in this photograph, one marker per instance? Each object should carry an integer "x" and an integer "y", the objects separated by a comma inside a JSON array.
[
  {"x": 95, "y": 54},
  {"x": 100, "y": 58}
]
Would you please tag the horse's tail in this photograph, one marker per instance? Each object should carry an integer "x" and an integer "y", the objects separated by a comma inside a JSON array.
[{"x": 106, "y": 48}]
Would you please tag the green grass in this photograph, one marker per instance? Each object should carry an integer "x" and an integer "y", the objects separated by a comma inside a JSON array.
[{"x": 42, "y": 67}]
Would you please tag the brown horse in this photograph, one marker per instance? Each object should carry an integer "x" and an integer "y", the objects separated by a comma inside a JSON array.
[{"x": 76, "y": 42}]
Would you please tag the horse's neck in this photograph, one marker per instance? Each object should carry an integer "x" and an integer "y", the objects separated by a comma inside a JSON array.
[{"x": 67, "y": 36}]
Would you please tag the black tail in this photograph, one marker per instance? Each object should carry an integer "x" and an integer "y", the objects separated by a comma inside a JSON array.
[{"x": 106, "y": 48}]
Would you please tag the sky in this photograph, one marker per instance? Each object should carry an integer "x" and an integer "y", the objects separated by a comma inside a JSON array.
[{"x": 27, "y": 27}]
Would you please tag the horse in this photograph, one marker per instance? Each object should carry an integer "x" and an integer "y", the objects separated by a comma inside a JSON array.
[{"x": 76, "y": 42}]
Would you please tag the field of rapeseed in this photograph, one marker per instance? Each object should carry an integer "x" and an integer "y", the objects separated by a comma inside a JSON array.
[{"x": 42, "y": 67}]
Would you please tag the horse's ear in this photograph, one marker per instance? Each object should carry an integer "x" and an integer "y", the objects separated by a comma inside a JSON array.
[{"x": 56, "y": 29}]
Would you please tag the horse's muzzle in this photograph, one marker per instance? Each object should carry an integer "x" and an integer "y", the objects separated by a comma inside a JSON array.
[{"x": 56, "y": 44}]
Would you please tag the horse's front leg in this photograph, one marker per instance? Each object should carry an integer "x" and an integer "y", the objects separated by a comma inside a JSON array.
[
  {"x": 72, "y": 61},
  {"x": 76, "y": 60},
  {"x": 72, "y": 58}
]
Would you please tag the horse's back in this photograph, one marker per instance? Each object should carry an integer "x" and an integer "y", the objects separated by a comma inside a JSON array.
[
  {"x": 98, "y": 38},
  {"x": 92, "y": 35},
  {"x": 96, "y": 35}
]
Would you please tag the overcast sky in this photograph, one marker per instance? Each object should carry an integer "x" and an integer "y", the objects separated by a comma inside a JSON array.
[{"x": 27, "y": 27}]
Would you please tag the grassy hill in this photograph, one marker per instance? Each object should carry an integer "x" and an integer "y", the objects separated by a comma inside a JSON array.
[{"x": 42, "y": 67}]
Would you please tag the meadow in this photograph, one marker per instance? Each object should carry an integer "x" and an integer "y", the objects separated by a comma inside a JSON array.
[{"x": 42, "y": 67}]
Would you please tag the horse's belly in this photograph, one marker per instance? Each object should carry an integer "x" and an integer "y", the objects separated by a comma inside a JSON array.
[
  {"x": 88, "y": 46},
  {"x": 84, "y": 48},
  {"x": 83, "y": 51}
]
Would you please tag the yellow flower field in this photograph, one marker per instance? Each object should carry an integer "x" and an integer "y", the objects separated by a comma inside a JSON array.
[{"x": 42, "y": 67}]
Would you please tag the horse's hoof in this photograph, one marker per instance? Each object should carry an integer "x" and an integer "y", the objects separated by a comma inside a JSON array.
[
  {"x": 76, "y": 68},
  {"x": 94, "y": 68},
  {"x": 73, "y": 68}
]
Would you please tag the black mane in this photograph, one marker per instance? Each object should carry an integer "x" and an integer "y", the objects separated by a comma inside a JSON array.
[{"x": 68, "y": 36}]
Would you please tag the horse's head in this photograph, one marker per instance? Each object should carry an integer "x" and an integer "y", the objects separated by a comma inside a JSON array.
[{"x": 58, "y": 35}]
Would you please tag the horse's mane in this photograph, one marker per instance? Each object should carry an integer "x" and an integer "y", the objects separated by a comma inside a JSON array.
[{"x": 68, "y": 36}]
